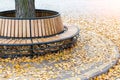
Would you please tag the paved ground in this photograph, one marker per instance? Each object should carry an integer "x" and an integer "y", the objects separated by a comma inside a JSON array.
[
  {"x": 92, "y": 56},
  {"x": 90, "y": 46},
  {"x": 107, "y": 26}
]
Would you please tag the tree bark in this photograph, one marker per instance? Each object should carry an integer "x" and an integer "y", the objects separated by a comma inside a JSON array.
[{"x": 25, "y": 8}]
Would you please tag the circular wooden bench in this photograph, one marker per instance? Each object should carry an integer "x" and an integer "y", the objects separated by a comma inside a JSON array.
[
  {"x": 44, "y": 33},
  {"x": 47, "y": 23}
]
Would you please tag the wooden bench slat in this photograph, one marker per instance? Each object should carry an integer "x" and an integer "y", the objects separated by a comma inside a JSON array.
[
  {"x": 61, "y": 24},
  {"x": 49, "y": 27},
  {"x": 28, "y": 28},
  {"x": 23, "y": 41},
  {"x": 24, "y": 31},
  {"x": 28, "y": 41},
  {"x": 58, "y": 24},
  {"x": 17, "y": 41},
  {"x": 39, "y": 27},
  {"x": 32, "y": 28},
  {"x": 12, "y": 28},
  {"x": 2, "y": 40},
  {"x": 36, "y": 28},
  {"x": 9, "y": 27},
  {"x": 43, "y": 28},
  {"x": 54, "y": 28},
  {"x": 6, "y": 27},
  {"x": 46, "y": 27},
  {"x": 12, "y": 41},
  {"x": 35, "y": 40},
  {"x": 20, "y": 28},
  {"x": 39, "y": 40},
  {"x": 0, "y": 25},
  {"x": 5, "y": 41},
  {"x": 16, "y": 28},
  {"x": 3, "y": 26}
]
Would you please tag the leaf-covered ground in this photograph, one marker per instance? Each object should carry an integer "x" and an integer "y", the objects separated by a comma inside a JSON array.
[
  {"x": 107, "y": 26},
  {"x": 68, "y": 60}
]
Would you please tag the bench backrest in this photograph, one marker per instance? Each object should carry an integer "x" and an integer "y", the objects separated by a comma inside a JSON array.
[{"x": 30, "y": 28}]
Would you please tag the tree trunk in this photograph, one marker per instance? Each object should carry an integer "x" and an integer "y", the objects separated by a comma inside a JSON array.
[{"x": 25, "y": 8}]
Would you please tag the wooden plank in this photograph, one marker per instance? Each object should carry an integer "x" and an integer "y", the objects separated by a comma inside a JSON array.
[
  {"x": 9, "y": 28},
  {"x": 46, "y": 39},
  {"x": 16, "y": 28},
  {"x": 35, "y": 40},
  {"x": 24, "y": 28},
  {"x": 40, "y": 27},
  {"x": 20, "y": 28},
  {"x": 5, "y": 41},
  {"x": 54, "y": 38},
  {"x": 32, "y": 28},
  {"x": 40, "y": 40},
  {"x": 58, "y": 24},
  {"x": 1, "y": 26},
  {"x": 36, "y": 28},
  {"x": 28, "y": 41},
  {"x": 12, "y": 41},
  {"x": 54, "y": 26},
  {"x": 1, "y": 40},
  {"x": 17, "y": 41},
  {"x": 6, "y": 27},
  {"x": 46, "y": 28},
  {"x": 12, "y": 28},
  {"x": 43, "y": 27},
  {"x": 28, "y": 28},
  {"x": 23, "y": 41},
  {"x": 61, "y": 24},
  {"x": 49, "y": 27}
]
